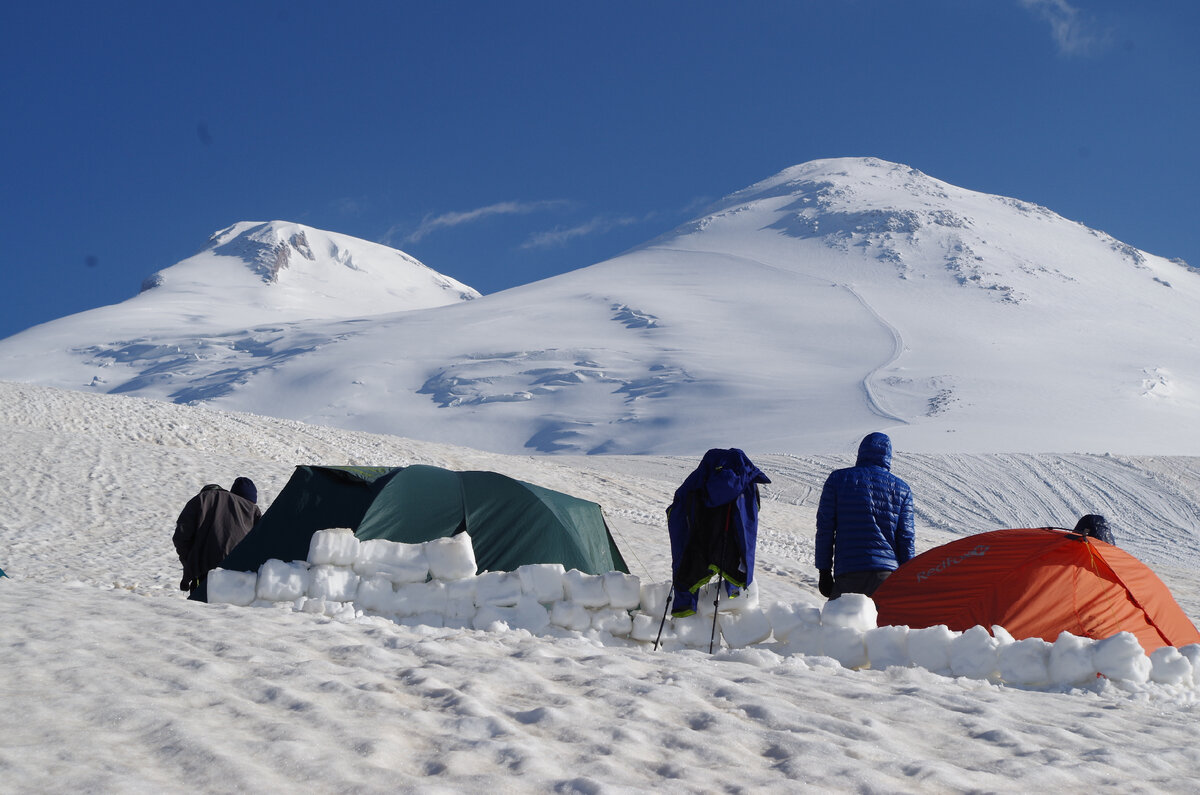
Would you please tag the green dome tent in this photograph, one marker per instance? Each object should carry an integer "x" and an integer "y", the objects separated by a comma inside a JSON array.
[{"x": 511, "y": 523}]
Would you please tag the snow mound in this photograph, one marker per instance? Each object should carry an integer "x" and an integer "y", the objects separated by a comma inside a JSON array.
[{"x": 616, "y": 608}]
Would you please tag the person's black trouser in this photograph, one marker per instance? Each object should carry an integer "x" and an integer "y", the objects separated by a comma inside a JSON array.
[{"x": 864, "y": 582}]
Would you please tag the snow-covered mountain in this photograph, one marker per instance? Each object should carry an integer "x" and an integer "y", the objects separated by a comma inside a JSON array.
[
  {"x": 282, "y": 272},
  {"x": 835, "y": 298},
  {"x": 262, "y": 276},
  {"x": 247, "y": 275}
]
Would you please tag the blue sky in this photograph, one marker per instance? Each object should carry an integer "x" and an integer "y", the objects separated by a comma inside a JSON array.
[{"x": 504, "y": 142}]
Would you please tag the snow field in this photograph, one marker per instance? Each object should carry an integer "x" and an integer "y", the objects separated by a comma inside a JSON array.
[
  {"x": 122, "y": 685},
  {"x": 434, "y": 584}
]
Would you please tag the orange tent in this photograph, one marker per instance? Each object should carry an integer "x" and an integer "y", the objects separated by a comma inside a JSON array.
[{"x": 1036, "y": 583}]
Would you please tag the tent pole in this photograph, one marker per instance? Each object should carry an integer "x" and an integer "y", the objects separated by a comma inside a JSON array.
[{"x": 661, "y": 624}]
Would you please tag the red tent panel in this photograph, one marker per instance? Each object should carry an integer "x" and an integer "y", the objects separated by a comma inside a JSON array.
[{"x": 1036, "y": 583}]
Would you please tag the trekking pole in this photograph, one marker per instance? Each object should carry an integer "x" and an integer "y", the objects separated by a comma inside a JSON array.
[
  {"x": 661, "y": 624},
  {"x": 720, "y": 577},
  {"x": 713, "y": 640}
]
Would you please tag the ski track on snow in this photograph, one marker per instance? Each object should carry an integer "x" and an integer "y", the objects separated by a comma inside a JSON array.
[
  {"x": 873, "y": 400},
  {"x": 874, "y": 404}
]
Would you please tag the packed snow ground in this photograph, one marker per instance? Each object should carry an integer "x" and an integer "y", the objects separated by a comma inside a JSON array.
[{"x": 114, "y": 682}]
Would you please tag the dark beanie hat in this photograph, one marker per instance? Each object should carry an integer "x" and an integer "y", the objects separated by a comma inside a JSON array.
[
  {"x": 244, "y": 488},
  {"x": 1096, "y": 526}
]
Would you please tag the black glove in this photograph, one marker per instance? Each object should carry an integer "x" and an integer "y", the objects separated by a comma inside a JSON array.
[{"x": 825, "y": 583}]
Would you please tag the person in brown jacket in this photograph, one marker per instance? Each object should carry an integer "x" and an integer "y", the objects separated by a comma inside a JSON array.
[{"x": 211, "y": 525}]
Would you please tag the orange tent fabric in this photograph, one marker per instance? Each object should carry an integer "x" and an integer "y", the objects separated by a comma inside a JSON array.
[{"x": 1036, "y": 583}]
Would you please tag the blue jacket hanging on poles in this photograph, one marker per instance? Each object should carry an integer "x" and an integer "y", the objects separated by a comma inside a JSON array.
[{"x": 713, "y": 523}]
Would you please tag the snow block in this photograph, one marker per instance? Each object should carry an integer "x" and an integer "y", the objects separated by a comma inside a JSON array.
[
  {"x": 744, "y": 627},
  {"x": 929, "y": 647},
  {"x": 1024, "y": 662},
  {"x": 1003, "y": 636},
  {"x": 451, "y": 558},
  {"x": 1169, "y": 667},
  {"x": 847, "y": 645},
  {"x": 805, "y": 639},
  {"x": 543, "y": 581},
  {"x": 705, "y": 598},
  {"x": 460, "y": 599},
  {"x": 530, "y": 614},
  {"x": 1192, "y": 653},
  {"x": 333, "y": 583},
  {"x": 281, "y": 581},
  {"x": 624, "y": 590},
  {"x": 654, "y": 598},
  {"x": 973, "y": 654},
  {"x": 1122, "y": 657},
  {"x": 497, "y": 589},
  {"x": 334, "y": 547},
  {"x": 694, "y": 631},
  {"x": 569, "y": 615},
  {"x": 743, "y": 600},
  {"x": 377, "y": 594},
  {"x": 1071, "y": 660},
  {"x": 707, "y": 601},
  {"x": 402, "y": 563},
  {"x": 786, "y": 619},
  {"x": 613, "y": 621},
  {"x": 645, "y": 628},
  {"x": 583, "y": 589},
  {"x": 232, "y": 587},
  {"x": 423, "y": 597},
  {"x": 853, "y": 610},
  {"x": 887, "y": 647}
]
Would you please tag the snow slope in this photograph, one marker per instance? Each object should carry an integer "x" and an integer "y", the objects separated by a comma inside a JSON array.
[
  {"x": 247, "y": 283},
  {"x": 120, "y": 684},
  {"x": 833, "y": 299}
]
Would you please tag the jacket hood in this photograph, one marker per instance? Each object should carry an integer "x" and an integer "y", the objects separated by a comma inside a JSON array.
[
  {"x": 723, "y": 475},
  {"x": 875, "y": 450}
]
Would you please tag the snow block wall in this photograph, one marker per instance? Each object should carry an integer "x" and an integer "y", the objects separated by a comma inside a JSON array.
[{"x": 435, "y": 584}]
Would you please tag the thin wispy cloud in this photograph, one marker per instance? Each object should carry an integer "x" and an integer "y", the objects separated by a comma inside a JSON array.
[
  {"x": 556, "y": 238},
  {"x": 434, "y": 223},
  {"x": 1073, "y": 33},
  {"x": 350, "y": 205}
]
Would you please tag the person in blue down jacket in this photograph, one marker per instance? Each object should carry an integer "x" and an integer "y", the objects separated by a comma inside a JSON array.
[{"x": 864, "y": 522}]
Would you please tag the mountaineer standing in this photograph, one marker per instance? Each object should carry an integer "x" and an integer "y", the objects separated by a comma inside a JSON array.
[{"x": 864, "y": 522}]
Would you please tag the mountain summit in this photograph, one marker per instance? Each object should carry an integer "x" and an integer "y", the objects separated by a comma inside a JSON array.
[
  {"x": 835, "y": 298},
  {"x": 905, "y": 224},
  {"x": 281, "y": 271},
  {"x": 214, "y": 307}
]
